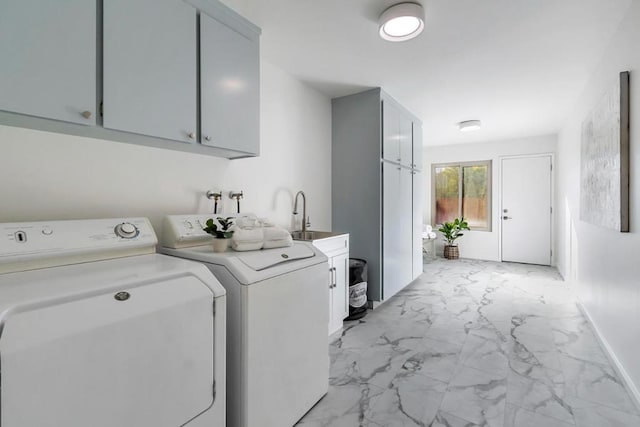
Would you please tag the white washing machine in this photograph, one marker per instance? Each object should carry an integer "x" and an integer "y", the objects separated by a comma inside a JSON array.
[
  {"x": 277, "y": 344},
  {"x": 98, "y": 330}
]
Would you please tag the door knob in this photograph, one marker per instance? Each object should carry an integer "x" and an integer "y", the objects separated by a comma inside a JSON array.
[
  {"x": 506, "y": 217},
  {"x": 86, "y": 114},
  {"x": 191, "y": 135},
  {"x": 208, "y": 138}
]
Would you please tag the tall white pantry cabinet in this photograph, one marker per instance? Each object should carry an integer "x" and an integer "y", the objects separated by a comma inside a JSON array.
[{"x": 377, "y": 187}]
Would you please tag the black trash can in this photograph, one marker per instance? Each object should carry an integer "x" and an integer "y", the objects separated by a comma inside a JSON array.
[{"x": 357, "y": 288}]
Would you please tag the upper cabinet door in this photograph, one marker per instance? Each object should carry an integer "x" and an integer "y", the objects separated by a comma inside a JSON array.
[
  {"x": 405, "y": 140},
  {"x": 48, "y": 59},
  {"x": 150, "y": 72},
  {"x": 417, "y": 146},
  {"x": 229, "y": 87},
  {"x": 390, "y": 132}
]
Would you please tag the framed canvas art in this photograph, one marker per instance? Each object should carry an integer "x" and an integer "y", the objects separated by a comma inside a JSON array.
[{"x": 604, "y": 160}]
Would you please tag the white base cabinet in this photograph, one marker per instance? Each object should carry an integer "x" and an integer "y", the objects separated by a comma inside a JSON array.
[{"x": 336, "y": 248}]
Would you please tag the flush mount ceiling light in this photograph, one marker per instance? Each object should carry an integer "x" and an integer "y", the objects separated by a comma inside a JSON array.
[
  {"x": 401, "y": 22},
  {"x": 469, "y": 125}
]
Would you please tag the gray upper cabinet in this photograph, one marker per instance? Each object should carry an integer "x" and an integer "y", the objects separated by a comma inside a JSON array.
[
  {"x": 229, "y": 87},
  {"x": 48, "y": 59},
  {"x": 175, "y": 74},
  {"x": 150, "y": 68}
]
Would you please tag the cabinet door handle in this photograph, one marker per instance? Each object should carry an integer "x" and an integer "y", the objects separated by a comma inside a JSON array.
[
  {"x": 332, "y": 270},
  {"x": 87, "y": 114},
  {"x": 191, "y": 135},
  {"x": 207, "y": 138}
]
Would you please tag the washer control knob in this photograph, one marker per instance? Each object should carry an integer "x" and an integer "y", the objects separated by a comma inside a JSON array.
[
  {"x": 126, "y": 230},
  {"x": 47, "y": 231}
]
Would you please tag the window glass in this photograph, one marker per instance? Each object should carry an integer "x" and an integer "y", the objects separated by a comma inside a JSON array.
[
  {"x": 462, "y": 189},
  {"x": 475, "y": 195},
  {"x": 447, "y": 179}
]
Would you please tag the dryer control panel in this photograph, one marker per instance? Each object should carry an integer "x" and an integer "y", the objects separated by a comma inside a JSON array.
[{"x": 32, "y": 245}]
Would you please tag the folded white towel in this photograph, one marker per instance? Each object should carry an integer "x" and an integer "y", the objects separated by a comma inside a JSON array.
[
  {"x": 247, "y": 235},
  {"x": 433, "y": 235},
  {"x": 246, "y": 246},
  {"x": 247, "y": 221},
  {"x": 279, "y": 243},
  {"x": 427, "y": 228},
  {"x": 275, "y": 233}
]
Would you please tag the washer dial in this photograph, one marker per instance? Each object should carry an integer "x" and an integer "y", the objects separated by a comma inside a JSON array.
[{"x": 126, "y": 230}]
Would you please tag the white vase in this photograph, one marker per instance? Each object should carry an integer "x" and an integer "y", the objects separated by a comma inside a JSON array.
[{"x": 220, "y": 245}]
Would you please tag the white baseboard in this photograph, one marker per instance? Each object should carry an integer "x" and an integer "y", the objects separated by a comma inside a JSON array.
[{"x": 617, "y": 366}]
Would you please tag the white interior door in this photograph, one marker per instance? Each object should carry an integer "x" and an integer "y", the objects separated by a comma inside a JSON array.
[{"x": 526, "y": 210}]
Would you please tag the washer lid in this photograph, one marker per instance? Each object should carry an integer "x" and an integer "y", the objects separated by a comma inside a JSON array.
[
  {"x": 266, "y": 259},
  {"x": 255, "y": 266}
]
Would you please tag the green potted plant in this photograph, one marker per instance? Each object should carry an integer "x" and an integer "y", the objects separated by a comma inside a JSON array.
[
  {"x": 220, "y": 231},
  {"x": 452, "y": 231}
]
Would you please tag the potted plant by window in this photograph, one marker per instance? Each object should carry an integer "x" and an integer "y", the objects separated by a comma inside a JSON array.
[
  {"x": 220, "y": 231},
  {"x": 451, "y": 231}
]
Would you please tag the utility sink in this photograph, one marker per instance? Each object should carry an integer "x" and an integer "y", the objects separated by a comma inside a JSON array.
[{"x": 311, "y": 235}]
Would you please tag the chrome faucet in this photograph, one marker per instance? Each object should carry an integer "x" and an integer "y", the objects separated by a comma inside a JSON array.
[{"x": 305, "y": 218}]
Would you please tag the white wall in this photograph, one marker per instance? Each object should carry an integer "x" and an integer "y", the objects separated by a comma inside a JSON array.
[
  {"x": 481, "y": 244},
  {"x": 52, "y": 176},
  {"x": 603, "y": 264},
  {"x": 295, "y": 153}
]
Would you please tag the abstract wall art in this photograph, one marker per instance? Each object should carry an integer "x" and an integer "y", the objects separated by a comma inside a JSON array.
[{"x": 604, "y": 160}]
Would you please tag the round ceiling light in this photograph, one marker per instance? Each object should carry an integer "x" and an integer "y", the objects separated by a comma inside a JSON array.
[
  {"x": 401, "y": 22},
  {"x": 469, "y": 125}
]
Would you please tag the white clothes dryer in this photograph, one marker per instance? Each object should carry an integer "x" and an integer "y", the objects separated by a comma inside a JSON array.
[
  {"x": 98, "y": 330},
  {"x": 277, "y": 300}
]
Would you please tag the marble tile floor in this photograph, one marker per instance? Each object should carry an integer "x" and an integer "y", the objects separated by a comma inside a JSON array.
[{"x": 474, "y": 343}]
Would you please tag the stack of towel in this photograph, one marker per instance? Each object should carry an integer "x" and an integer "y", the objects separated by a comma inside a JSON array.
[
  {"x": 251, "y": 235},
  {"x": 427, "y": 232}
]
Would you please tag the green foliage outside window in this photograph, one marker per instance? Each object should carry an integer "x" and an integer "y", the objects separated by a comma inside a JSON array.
[{"x": 463, "y": 190}]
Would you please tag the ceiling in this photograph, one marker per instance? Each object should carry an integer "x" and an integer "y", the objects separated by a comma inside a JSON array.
[{"x": 517, "y": 65}]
